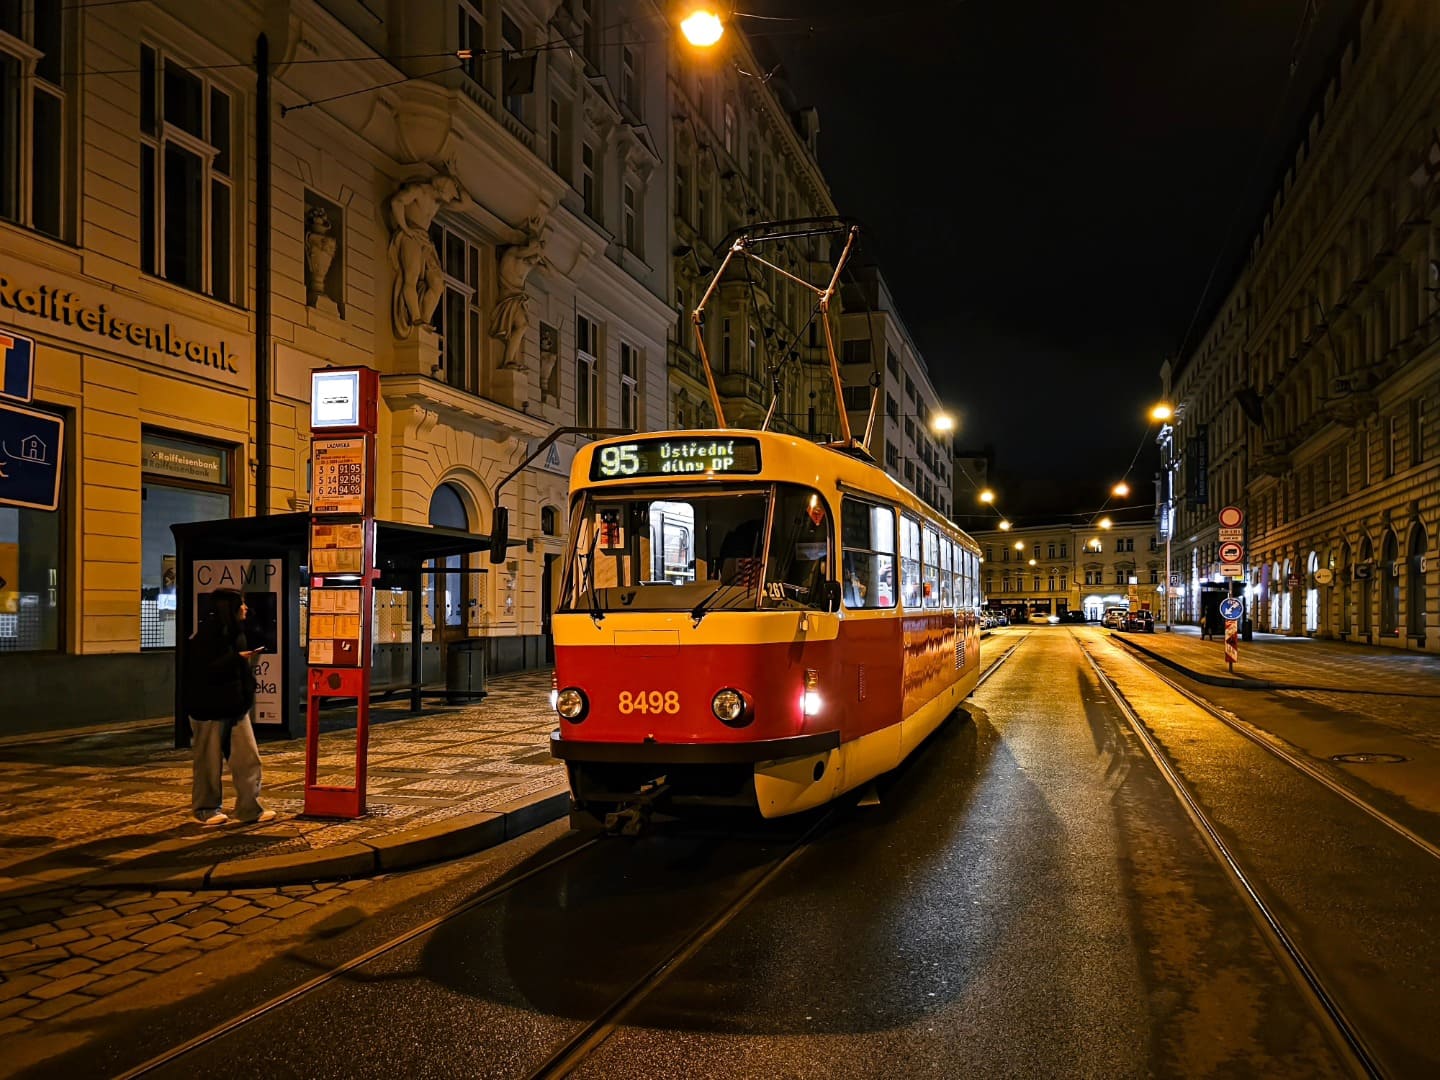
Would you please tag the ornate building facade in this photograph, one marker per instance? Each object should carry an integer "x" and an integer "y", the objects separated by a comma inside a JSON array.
[
  {"x": 1310, "y": 402},
  {"x": 469, "y": 196}
]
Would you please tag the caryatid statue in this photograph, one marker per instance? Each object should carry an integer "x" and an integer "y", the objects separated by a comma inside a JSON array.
[
  {"x": 511, "y": 317},
  {"x": 419, "y": 277}
]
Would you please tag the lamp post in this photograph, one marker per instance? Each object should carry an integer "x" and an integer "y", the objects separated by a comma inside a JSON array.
[{"x": 1163, "y": 414}]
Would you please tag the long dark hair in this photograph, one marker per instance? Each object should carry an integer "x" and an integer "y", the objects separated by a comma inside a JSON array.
[{"x": 224, "y": 618}]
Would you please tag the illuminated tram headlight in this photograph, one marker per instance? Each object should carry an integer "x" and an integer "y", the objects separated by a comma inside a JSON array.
[
  {"x": 728, "y": 706},
  {"x": 810, "y": 700},
  {"x": 570, "y": 703}
]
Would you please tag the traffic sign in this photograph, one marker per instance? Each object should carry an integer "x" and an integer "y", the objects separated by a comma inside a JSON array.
[
  {"x": 1232, "y": 517},
  {"x": 30, "y": 450},
  {"x": 17, "y": 365},
  {"x": 1231, "y": 553},
  {"x": 1231, "y": 608},
  {"x": 1231, "y": 570},
  {"x": 1236, "y": 536},
  {"x": 1177, "y": 579}
]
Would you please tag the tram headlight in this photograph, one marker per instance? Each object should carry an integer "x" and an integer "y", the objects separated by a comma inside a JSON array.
[
  {"x": 728, "y": 706},
  {"x": 810, "y": 700},
  {"x": 570, "y": 703}
]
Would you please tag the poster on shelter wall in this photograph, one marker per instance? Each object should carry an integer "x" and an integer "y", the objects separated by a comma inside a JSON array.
[{"x": 260, "y": 582}]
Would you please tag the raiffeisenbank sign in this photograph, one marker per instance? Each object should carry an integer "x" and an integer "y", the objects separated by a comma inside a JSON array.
[{"x": 122, "y": 324}]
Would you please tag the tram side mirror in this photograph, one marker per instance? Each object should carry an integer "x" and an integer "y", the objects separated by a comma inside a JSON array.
[
  {"x": 499, "y": 534},
  {"x": 832, "y": 596}
]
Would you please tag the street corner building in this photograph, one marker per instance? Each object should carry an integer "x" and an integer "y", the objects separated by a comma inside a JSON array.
[{"x": 202, "y": 204}]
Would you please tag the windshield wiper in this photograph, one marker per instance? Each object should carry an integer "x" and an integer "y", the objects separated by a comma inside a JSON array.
[
  {"x": 700, "y": 610},
  {"x": 596, "y": 612}
]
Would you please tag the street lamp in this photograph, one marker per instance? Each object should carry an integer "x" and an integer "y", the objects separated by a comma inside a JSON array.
[
  {"x": 1105, "y": 523},
  {"x": 702, "y": 28},
  {"x": 1162, "y": 415},
  {"x": 942, "y": 423},
  {"x": 1120, "y": 490},
  {"x": 987, "y": 496},
  {"x": 1004, "y": 525}
]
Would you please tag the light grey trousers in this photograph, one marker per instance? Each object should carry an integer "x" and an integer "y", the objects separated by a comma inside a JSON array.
[{"x": 207, "y": 768}]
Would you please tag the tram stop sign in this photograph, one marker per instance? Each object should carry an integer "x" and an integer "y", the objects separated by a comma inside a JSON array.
[{"x": 1231, "y": 608}]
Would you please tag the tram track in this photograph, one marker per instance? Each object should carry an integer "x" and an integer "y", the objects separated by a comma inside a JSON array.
[
  {"x": 562, "y": 1059},
  {"x": 219, "y": 1031},
  {"x": 1334, "y": 1018},
  {"x": 1301, "y": 762}
]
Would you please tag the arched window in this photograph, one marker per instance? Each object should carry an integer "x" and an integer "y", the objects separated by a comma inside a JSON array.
[
  {"x": 1366, "y": 566},
  {"x": 445, "y": 595},
  {"x": 1390, "y": 585},
  {"x": 1415, "y": 593},
  {"x": 1312, "y": 594},
  {"x": 549, "y": 521}
]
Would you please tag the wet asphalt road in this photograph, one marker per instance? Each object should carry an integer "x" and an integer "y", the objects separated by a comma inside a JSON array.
[{"x": 1027, "y": 899}]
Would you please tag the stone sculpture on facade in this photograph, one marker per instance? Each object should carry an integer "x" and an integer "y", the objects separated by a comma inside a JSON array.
[
  {"x": 419, "y": 277},
  {"x": 320, "y": 247},
  {"x": 511, "y": 317}
]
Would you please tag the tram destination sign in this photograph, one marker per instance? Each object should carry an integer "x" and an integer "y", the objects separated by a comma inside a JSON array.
[{"x": 676, "y": 457}]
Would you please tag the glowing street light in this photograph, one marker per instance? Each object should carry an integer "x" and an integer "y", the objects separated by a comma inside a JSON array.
[
  {"x": 702, "y": 28},
  {"x": 1105, "y": 523},
  {"x": 1032, "y": 562},
  {"x": 1120, "y": 490},
  {"x": 987, "y": 496},
  {"x": 942, "y": 423},
  {"x": 1004, "y": 525},
  {"x": 1019, "y": 545},
  {"x": 1161, "y": 413}
]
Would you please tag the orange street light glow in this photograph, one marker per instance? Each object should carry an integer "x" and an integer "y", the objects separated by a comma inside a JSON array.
[
  {"x": 702, "y": 28},
  {"x": 1121, "y": 489},
  {"x": 1161, "y": 413},
  {"x": 987, "y": 496}
]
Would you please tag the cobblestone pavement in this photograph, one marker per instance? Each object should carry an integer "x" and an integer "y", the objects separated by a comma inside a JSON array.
[
  {"x": 69, "y": 947},
  {"x": 71, "y": 808}
]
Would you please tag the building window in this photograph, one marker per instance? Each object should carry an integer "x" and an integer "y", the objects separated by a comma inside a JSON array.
[
  {"x": 729, "y": 132},
  {"x": 584, "y": 12},
  {"x": 1392, "y": 437},
  {"x": 892, "y": 408},
  {"x": 892, "y": 363},
  {"x": 855, "y": 351},
  {"x": 682, "y": 192},
  {"x": 589, "y": 196},
  {"x": 752, "y": 353},
  {"x": 186, "y": 202},
  {"x": 32, "y": 115},
  {"x": 181, "y": 481},
  {"x": 629, "y": 386},
  {"x": 632, "y": 219},
  {"x": 892, "y": 455},
  {"x": 457, "y": 319},
  {"x": 472, "y": 43},
  {"x": 517, "y": 72},
  {"x": 630, "y": 78},
  {"x": 31, "y": 568},
  {"x": 549, "y": 521},
  {"x": 726, "y": 346},
  {"x": 587, "y": 372},
  {"x": 1417, "y": 431},
  {"x": 559, "y": 136}
]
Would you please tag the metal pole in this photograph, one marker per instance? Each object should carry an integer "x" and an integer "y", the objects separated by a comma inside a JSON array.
[
  {"x": 263, "y": 245},
  {"x": 1169, "y": 581}
]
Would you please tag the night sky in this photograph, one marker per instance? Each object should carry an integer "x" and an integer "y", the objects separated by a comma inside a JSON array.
[{"x": 1047, "y": 187}]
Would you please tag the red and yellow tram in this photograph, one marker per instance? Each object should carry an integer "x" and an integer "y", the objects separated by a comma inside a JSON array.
[{"x": 751, "y": 619}]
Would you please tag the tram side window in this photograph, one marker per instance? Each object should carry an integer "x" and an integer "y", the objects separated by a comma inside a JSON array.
[
  {"x": 932, "y": 567},
  {"x": 909, "y": 562},
  {"x": 947, "y": 572},
  {"x": 798, "y": 568},
  {"x": 867, "y": 535}
]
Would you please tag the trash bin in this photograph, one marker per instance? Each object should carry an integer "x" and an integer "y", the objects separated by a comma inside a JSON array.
[
  {"x": 1247, "y": 631},
  {"x": 465, "y": 669}
]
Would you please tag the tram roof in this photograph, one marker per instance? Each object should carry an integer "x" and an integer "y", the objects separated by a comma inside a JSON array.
[{"x": 799, "y": 458}]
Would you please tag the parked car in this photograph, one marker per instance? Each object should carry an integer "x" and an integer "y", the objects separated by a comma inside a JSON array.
[
  {"x": 1114, "y": 618},
  {"x": 1141, "y": 622},
  {"x": 1074, "y": 615},
  {"x": 1042, "y": 618}
]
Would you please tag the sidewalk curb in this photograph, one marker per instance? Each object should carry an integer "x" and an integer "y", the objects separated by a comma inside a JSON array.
[
  {"x": 463, "y": 834},
  {"x": 1239, "y": 682}
]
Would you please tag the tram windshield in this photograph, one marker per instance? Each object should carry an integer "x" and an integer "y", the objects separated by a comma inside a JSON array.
[{"x": 683, "y": 550}]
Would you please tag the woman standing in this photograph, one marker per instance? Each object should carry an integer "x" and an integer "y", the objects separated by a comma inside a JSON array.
[{"x": 220, "y": 692}]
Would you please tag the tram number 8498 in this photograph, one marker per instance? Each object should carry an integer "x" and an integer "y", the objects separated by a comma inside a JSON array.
[{"x": 649, "y": 701}]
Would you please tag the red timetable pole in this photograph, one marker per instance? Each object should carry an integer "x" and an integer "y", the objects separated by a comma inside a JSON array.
[{"x": 344, "y": 411}]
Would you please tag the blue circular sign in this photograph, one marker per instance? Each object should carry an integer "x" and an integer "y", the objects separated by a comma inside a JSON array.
[{"x": 1230, "y": 608}]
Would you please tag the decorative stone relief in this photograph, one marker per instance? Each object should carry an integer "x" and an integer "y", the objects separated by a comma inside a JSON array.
[
  {"x": 419, "y": 277},
  {"x": 511, "y": 317},
  {"x": 324, "y": 255}
]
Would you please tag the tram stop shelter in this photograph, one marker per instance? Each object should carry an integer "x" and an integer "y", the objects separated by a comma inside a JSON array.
[{"x": 265, "y": 559}]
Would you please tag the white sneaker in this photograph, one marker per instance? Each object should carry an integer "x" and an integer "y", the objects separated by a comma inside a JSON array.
[
  {"x": 216, "y": 818},
  {"x": 265, "y": 815}
]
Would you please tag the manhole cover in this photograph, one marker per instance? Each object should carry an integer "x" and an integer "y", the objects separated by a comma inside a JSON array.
[{"x": 1368, "y": 759}]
